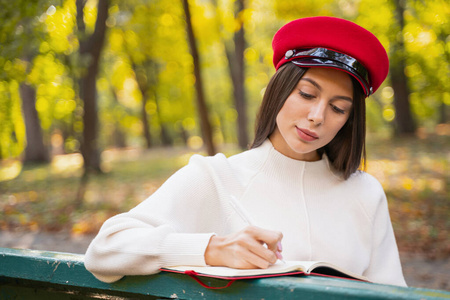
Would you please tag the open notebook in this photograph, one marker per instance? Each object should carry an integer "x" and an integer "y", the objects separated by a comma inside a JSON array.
[{"x": 278, "y": 269}]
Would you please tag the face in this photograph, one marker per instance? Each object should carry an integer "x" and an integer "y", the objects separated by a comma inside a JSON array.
[{"x": 313, "y": 113}]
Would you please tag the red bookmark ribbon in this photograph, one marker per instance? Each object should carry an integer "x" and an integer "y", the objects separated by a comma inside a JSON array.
[{"x": 194, "y": 274}]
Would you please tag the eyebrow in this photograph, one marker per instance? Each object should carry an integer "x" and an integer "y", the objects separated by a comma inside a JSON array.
[{"x": 350, "y": 99}]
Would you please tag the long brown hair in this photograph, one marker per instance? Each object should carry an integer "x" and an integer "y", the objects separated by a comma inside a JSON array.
[{"x": 346, "y": 151}]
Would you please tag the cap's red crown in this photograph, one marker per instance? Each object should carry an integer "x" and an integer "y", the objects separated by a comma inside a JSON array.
[{"x": 335, "y": 34}]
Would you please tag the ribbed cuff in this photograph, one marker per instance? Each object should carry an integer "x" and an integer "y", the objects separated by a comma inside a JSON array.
[{"x": 184, "y": 249}]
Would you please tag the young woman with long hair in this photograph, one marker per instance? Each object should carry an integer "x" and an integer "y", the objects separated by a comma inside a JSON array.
[{"x": 301, "y": 181}]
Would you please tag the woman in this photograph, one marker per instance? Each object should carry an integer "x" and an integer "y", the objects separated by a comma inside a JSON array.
[{"x": 299, "y": 183}]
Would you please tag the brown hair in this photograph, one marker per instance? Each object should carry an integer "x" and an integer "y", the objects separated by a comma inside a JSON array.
[{"x": 346, "y": 151}]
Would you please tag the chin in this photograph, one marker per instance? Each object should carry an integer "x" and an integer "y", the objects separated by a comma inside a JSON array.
[{"x": 302, "y": 150}]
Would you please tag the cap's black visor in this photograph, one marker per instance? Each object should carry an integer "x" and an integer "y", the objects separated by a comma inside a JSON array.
[{"x": 321, "y": 57}]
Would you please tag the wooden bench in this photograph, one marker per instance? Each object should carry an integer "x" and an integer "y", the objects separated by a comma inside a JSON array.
[{"x": 30, "y": 274}]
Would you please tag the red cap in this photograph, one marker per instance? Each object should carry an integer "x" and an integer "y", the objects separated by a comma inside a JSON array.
[{"x": 333, "y": 43}]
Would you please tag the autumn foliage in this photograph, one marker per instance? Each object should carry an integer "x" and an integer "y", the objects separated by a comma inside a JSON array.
[{"x": 414, "y": 174}]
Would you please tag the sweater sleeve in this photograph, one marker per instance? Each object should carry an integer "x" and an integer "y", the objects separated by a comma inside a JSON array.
[
  {"x": 385, "y": 266},
  {"x": 171, "y": 227}
]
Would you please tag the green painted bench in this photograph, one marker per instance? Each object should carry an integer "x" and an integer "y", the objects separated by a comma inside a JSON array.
[{"x": 30, "y": 274}]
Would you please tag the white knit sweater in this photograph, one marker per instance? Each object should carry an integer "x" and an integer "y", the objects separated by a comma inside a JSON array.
[{"x": 321, "y": 216}]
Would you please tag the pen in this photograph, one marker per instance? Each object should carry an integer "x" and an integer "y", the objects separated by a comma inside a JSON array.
[{"x": 248, "y": 219}]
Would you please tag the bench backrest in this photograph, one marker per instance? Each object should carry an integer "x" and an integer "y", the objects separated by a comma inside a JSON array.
[{"x": 30, "y": 274}]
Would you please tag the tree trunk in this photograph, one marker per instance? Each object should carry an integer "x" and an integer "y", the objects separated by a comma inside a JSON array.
[
  {"x": 443, "y": 116},
  {"x": 142, "y": 81},
  {"x": 443, "y": 108},
  {"x": 166, "y": 140},
  {"x": 183, "y": 134},
  {"x": 118, "y": 136},
  {"x": 236, "y": 66},
  {"x": 404, "y": 122},
  {"x": 238, "y": 77},
  {"x": 90, "y": 49},
  {"x": 35, "y": 150},
  {"x": 145, "y": 122},
  {"x": 201, "y": 104}
]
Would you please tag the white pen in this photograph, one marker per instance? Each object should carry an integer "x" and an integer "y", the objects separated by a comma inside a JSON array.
[
  {"x": 241, "y": 211},
  {"x": 248, "y": 219}
]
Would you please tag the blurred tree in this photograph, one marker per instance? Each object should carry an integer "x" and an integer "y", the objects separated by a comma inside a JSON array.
[
  {"x": 426, "y": 41},
  {"x": 134, "y": 48},
  {"x": 237, "y": 69},
  {"x": 404, "y": 122},
  {"x": 118, "y": 135},
  {"x": 201, "y": 103},
  {"x": 35, "y": 150},
  {"x": 141, "y": 72},
  {"x": 20, "y": 37},
  {"x": 56, "y": 72},
  {"x": 234, "y": 50},
  {"x": 151, "y": 70},
  {"x": 139, "y": 51},
  {"x": 146, "y": 83},
  {"x": 90, "y": 49},
  {"x": 114, "y": 112}
]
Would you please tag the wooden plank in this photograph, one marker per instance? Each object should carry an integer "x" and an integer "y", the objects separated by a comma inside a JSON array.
[{"x": 50, "y": 273}]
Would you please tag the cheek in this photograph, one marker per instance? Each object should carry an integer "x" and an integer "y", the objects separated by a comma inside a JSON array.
[
  {"x": 283, "y": 115},
  {"x": 341, "y": 123},
  {"x": 279, "y": 120},
  {"x": 336, "y": 126},
  {"x": 289, "y": 112}
]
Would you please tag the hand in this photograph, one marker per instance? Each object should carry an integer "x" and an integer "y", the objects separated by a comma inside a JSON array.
[{"x": 245, "y": 249}]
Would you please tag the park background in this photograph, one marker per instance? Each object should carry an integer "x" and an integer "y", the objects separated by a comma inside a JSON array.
[{"x": 101, "y": 101}]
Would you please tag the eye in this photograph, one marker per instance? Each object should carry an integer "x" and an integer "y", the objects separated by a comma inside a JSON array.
[
  {"x": 337, "y": 109},
  {"x": 306, "y": 95}
]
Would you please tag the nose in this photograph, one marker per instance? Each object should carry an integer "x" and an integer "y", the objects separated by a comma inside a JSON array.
[{"x": 317, "y": 113}]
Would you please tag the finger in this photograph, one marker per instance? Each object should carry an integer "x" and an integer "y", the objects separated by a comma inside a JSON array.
[
  {"x": 254, "y": 261},
  {"x": 269, "y": 237},
  {"x": 244, "y": 256},
  {"x": 279, "y": 250},
  {"x": 258, "y": 249},
  {"x": 248, "y": 241},
  {"x": 279, "y": 247}
]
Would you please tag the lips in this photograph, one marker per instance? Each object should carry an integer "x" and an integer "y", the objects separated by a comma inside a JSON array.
[{"x": 307, "y": 135}]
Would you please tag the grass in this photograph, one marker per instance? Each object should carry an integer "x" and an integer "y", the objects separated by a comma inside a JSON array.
[
  {"x": 415, "y": 176},
  {"x": 413, "y": 172}
]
